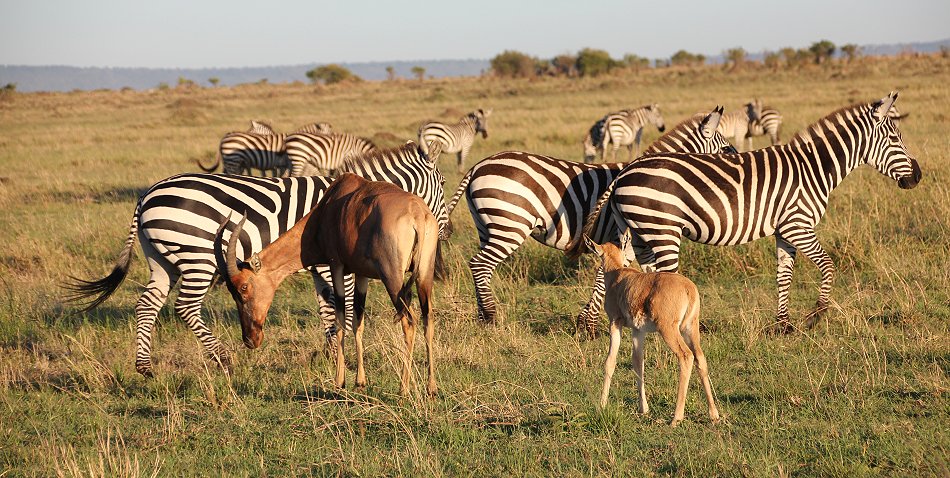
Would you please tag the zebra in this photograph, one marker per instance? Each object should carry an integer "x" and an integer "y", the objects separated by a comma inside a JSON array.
[
  {"x": 512, "y": 195},
  {"x": 739, "y": 124},
  {"x": 780, "y": 190},
  {"x": 458, "y": 137},
  {"x": 322, "y": 154},
  {"x": 769, "y": 122},
  {"x": 240, "y": 152},
  {"x": 315, "y": 128},
  {"x": 176, "y": 220},
  {"x": 260, "y": 127},
  {"x": 621, "y": 128}
]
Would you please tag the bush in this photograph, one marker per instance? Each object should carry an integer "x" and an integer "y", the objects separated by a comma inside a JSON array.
[
  {"x": 330, "y": 74},
  {"x": 514, "y": 64},
  {"x": 419, "y": 72},
  {"x": 822, "y": 51},
  {"x": 591, "y": 62},
  {"x": 685, "y": 58},
  {"x": 735, "y": 57}
]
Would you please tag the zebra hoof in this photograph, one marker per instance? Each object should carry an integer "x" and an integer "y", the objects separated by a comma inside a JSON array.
[
  {"x": 811, "y": 320},
  {"x": 782, "y": 327},
  {"x": 145, "y": 369}
]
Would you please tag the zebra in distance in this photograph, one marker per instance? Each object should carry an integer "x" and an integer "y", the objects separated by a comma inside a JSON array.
[
  {"x": 769, "y": 122},
  {"x": 176, "y": 219},
  {"x": 739, "y": 125},
  {"x": 321, "y": 154},
  {"x": 513, "y": 195},
  {"x": 622, "y": 128},
  {"x": 781, "y": 190},
  {"x": 259, "y": 148},
  {"x": 458, "y": 137}
]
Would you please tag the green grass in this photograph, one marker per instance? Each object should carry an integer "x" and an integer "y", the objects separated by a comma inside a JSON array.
[{"x": 867, "y": 393}]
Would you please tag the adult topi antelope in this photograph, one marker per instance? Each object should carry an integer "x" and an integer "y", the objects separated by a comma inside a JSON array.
[
  {"x": 664, "y": 302},
  {"x": 372, "y": 229}
]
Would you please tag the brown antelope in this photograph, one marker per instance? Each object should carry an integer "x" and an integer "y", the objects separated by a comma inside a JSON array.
[
  {"x": 646, "y": 302},
  {"x": 372, "y": 229}
]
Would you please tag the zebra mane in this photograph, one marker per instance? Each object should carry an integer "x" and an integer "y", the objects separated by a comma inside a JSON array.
[
  {"x": 806, "y": 136},
  {"x": 380, "y": 156}
]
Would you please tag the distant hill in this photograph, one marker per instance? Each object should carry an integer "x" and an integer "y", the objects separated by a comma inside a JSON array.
[{"x": 67, "y": 78}]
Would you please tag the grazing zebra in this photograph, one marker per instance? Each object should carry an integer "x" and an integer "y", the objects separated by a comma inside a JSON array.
[
  {"x": 780, "y": 190},
  {"x": 321, "y": 154},
  {"x": 458, "y": 137},
  {"x": 260, "y": 127},
  {"x": 739, "y": 124},
  {"x": 315, "y": 128},
  {"x": 769, "y": 122},
  {"x": 622, "y": 128},
  {"x": 240, "y": 152},
  {"x": 513, "y": 195},
  {"x": 176, "y": 219}
]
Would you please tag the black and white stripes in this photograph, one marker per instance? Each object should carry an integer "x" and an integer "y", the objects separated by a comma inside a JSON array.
[
  {"x": 621, "y": 128},
  {"x": 458, "y": 137},
  {"x": 321, "y": 154}
]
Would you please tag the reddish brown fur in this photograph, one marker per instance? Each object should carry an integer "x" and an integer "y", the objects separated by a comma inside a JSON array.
[
  {"x": 371, "y": 229},
  {"x": 664, "y": 302}
]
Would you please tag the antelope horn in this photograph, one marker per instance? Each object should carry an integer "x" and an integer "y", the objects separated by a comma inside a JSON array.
[
  {"x": 218, "y": 253},
  {"x": 232, "y": 265}
]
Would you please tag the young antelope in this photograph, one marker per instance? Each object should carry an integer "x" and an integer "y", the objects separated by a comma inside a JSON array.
[{"x": 646, "y": 302}]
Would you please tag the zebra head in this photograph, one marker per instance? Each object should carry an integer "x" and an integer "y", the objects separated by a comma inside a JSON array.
[
  {"x": 260, "y": 127},
  {"x": 886, "y": 147},
  {"x": 481, "y": 121},
  {"x": 653, "y": 115},
  {"x": 753, "y": 110},
  {"x": 252, "y": 292},
  {"x": 713, "y": 141}
]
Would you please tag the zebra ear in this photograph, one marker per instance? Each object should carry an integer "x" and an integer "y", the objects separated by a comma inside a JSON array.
[
  {"x": 880, "y": 108},
  {"x": 485, "y": 113},
  {"x": 434, "y": 149},
  {"x": 707, "y": 127},
  {"x": 625, "y": 239}
]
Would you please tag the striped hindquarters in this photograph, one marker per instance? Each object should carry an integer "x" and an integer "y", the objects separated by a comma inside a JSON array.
[
  {"x": 240, "y": 152},
  {"x": 313, "y": 154}
]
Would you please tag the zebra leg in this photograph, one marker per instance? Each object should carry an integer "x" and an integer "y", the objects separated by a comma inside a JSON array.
[
  {"x": 664, "y": 245},
  {"x": 322, "y": 282},
  {"x": 162, "y": 276},
  {"x": 785, "y": 253},
  {"x": 495, "y": 248},
  {"x": 191, "y": 294},
  {"x": 806, "y": 242},
  {"x": 461, "y": 158},
  {"x": 589, "y": 317}
]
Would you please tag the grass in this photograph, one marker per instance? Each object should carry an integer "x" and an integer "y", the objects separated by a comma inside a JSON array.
[{"x": 867, "y": 393}]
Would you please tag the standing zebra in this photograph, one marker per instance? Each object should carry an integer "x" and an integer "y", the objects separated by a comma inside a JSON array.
[
  {"x": 623, "y": 128},
  {"x": 769, "y": 122},
  {"x": 315, "y": 128},
  {"x": 780, "y": 190},
  {"x": 176, "y": 219},
  {"x": 260, "y": 127},
  {"x": 513, "y": 195},
  {"x": 458, "y": 137},
  {"x": 738, "y": 124},
  {"x": 322, "y": 154},
  {"x": 240, "y": 152}
]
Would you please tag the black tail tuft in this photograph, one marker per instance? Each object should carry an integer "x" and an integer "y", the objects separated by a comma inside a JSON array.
[
  {"x": 441, "y": 272},
  {"x": 91, "y": 293}
]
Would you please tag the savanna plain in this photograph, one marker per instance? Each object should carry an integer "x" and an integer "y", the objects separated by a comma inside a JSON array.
[{"x": 866, "y": 393}]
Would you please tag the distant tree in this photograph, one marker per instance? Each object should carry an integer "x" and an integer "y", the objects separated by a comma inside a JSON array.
[
  {"x": 565, "y": 65},
  {"x": 330, "y": 74},
  {"x": 661, "y": 63},
  {"x": 8, "y": 89},
  {"x": 185, "y": 82},
  {"x": 735, "y": 58},
  {"x": 419, "y": 72},
  {"x": 390, "y": 73},
  {"x": 635, "y": 62},
  {"x": 945, "y": 51},
  {"x": 592, "y": 62},
  {"x": 163, "y": 86},
  {"x": 262, "y": 81},
  {"x": 685, "y": 58},
  {"x": 851, "y": 51},
  {"x": 513, "y": 64},
  {"x": 214, "y": 80},
  {"x": 822, "y": 51},
  {"x": 772, "y": 60}
]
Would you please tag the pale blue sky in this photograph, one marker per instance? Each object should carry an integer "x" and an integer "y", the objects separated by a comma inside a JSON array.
[{"x": 195, "y": 33}]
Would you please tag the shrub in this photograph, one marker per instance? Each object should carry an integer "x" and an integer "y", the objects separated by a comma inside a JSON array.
[
  {"x": 330, "y": 74},
  {"x": 514, "y": 64},
  {"x": 685, "y": 58},
  {"x": 822, "y": 51},
  {"x": 591, "y": 62},
  {"x": 419, "y": 72},
  {"x": 735, "y": 58}
]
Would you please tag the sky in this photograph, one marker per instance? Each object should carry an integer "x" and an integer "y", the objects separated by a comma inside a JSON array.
[{"x": 241, "y": 33}]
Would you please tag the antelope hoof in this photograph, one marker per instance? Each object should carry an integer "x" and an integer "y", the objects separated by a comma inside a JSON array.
[
  {"x": 432, "y": 391},
  {"x": 675, "y": 422}
]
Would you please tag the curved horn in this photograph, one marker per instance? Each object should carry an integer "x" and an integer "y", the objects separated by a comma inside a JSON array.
[
  {"x": 218, "y": 253},
  {"x": 232, "y": 265}
]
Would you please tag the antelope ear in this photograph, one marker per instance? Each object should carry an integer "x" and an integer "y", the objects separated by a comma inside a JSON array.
[
  {"x": 593, "y": 246},
  {"x": 434, "y": 150},
  {"x": 880, "y": 108},
  {"x": 707, "y": 127}
]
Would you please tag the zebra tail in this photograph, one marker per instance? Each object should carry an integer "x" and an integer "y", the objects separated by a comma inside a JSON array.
[
  {"x": 577, "y": 245},
  {"x": 458, "y": 193},
  {"x": 441, "y": 271},
  {"x": 213, "y": 167},
  {"x": 91, "y": 293}
]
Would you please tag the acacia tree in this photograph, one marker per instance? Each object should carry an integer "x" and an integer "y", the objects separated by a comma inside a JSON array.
[
  {"x": 822, "y": 51},
  {"x": 330, "y": 74},
  {"x": 390, "y": 73},
  {"x": 591, "y": 62},
  {"x": 735, "y": 58},
  {"x": 514, "y": 64},
  {"x": 851, "y": 51},
  {"x": 419, "y": 72}
]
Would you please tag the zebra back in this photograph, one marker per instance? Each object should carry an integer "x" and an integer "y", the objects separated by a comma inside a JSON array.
[
  {"x": 458, "y": 136},
  {"x": 315, "y": 128},
  {"x": 321, "y": 154},
  {"x": 242, "y": 151}
]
